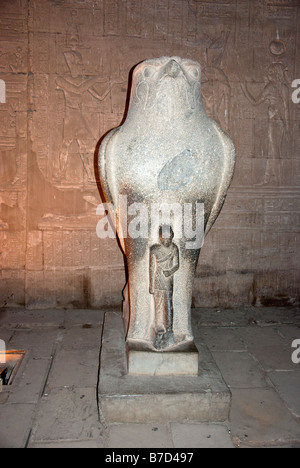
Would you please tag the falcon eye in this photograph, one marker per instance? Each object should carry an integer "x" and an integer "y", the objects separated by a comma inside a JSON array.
[
  {"x": 195, "y": 72},
  {"x": 148, "y": 72}
]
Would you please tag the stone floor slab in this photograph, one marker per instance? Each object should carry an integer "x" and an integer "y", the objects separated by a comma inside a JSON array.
[
  {"x": 255, "y": 336},
  {"x": 82, "y": 337},
  {"x": 74, "y": 367},
  {"x": 288, "y": 386},
  {"x": 16, "y": 422},
  {"x": 139, "y": 436},
  {"x": 289, "y": 333},
  {"x": 273, "y": 358},
  {"x": 249, "y": 316},
  {"x": 40, "y": 342},
  {"x": 5, "y": 335},
  {"x": 259, "y": 417},
  {"x": 269, "y": 347},
  {"x": 239, "y": 369},
  {"x": 81, "y": 317},
  {"x": 201, "y": 436},
  {"x": 67, "y": 413},
  {"x": 94, "y": 444},
  {"x": 29, "y": 381},
  {"x": 221, "y": 338},
  {"x": 24, "y": 318}
]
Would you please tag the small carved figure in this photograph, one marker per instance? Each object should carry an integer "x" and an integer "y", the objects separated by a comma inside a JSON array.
[{"x": 164, "y": 262}]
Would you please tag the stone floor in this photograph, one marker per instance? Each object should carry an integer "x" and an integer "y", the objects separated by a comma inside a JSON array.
[{"x": 52, "y": 401}]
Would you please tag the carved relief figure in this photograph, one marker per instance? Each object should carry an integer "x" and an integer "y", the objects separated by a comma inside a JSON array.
[
  {"x": 216, "y": 89},
  {"x": 75, "y": 126},
  {"x": 276, "y": 94},
  {"x": 164, "y": 262},
  {"x": 13, "y": 166}
]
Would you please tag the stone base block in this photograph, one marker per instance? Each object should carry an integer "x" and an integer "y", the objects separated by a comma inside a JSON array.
[
  {"x": 125, "y": 398},
  {"x": 173, "y": 363}
]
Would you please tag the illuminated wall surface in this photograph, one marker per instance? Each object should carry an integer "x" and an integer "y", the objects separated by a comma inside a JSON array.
[{"x": 64, "y": 66}]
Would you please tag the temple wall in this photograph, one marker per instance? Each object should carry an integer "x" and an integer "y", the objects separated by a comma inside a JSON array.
[{"x": 64, "y": 71}]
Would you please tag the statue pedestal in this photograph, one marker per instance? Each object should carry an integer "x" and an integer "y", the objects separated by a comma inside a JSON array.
[
  {"x": 168, "y": 363},
  {"x": 127, "y": 398}
]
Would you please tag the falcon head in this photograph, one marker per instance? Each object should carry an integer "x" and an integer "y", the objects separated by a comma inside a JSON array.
[{"x": 166, "y": 85}]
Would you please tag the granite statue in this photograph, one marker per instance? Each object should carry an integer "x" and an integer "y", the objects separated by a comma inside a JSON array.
[{"x": 167, "y": 153}]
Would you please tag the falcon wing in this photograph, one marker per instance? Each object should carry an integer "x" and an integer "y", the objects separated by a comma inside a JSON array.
[
  {"x": 110, "y": 190},
  {"x": 228, "y": 170},
  {"x": 105, "y": 151}
]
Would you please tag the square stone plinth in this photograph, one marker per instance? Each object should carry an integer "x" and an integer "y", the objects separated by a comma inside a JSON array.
[
  {"x": 159, "y": 363},
  {"x": 125, "y": 398}
]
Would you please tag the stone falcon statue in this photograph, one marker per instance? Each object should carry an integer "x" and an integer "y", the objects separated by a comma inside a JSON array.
[{"x": 167, "y": 152}]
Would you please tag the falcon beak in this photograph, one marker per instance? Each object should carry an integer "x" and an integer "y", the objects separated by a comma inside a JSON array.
[{"x": 172, "y": 69}]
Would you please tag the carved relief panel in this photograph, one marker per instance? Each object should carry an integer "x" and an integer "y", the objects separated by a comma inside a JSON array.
[{"x": 64, "y": 76}]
